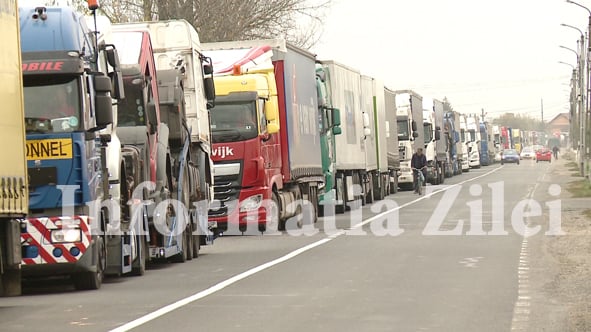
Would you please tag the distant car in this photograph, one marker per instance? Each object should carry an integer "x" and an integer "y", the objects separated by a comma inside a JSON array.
[
  {"x": 498, "y": 157},
  {"x": 544, "y": 155},
  {"x": 528, "y": 153},
  {"x": 509, "y": 156}
]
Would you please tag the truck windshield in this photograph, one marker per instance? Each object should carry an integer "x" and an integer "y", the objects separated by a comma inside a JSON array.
[
  {"x": 130, "y": 111},
  {"x": 52, "y": 104},
  {"x": 428, "y": 131},
  {"x": 472, "y": 134},
  {"x": 232, "y": 122},
  {"x": 403, "y": 133}
]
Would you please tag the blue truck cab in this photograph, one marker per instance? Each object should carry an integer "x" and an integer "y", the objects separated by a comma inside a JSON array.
[{"x": 67, "y": 101}]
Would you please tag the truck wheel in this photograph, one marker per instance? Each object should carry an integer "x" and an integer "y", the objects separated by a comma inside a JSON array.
[
  {"x": 10, "y": 276},
  {"x": 369, "y": 195},
  {"x": 379, "y": 193},
  {"x": 341, "y": 189},
  {"x": 394, "y": 185},
  {"x": 92, "y": 280},
  {"x": 359, "y": 197},
  {"x": 275, "y": 215},
  {"x": 189, "y": 248},
  {"x": 10, "y": 282},
  {"x": 313, "y": 198}
]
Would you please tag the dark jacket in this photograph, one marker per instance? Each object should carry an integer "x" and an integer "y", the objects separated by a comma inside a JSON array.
[{"x": 418, "y": 161}]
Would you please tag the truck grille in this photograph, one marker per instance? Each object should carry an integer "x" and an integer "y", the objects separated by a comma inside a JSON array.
[
  {"x": 402, "y": 152},
  {"x": 226, "y": 191}
]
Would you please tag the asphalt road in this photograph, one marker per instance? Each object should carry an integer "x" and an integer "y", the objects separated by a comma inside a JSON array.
[{"x": 346, "y": 277}]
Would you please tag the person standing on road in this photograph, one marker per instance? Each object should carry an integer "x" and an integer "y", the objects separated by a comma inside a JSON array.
[
  {"x": 555, "y": 151},
  {"x": 418, "y": 161}
]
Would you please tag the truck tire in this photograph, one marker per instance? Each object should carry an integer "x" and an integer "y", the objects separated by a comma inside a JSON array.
[
  {"x": 92, "y": 280},
  {"x": 10, "y": 276},
  {"x": 313, "y": 198},
  {"x": 275, "y": 212},
  {"x": 435, "y": 175},
  {"x": 394, "y": 185},
  {"x": 10, "y": 282},
  {"x": 359, "y": 197},
  {"x": 341, "y": 187},
  {"x": 369, "y": 195},
  {"x": 189, "y": 249},
  {"x": 378, "y": 191}
]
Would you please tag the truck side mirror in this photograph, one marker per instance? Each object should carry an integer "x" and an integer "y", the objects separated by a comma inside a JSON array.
[
  {"x": 437, "y": 134},
  {"x": 415, "y": 134},
  {"x": 207, "y": 69},
  {"x": 336, "y": 117},
  {"x": 272, "y": 128},
  {"x": 271, "y": 112},
  {"x": 113, "y": 57},
  {"x": 209, "y": 91},
  {"x": 151, "y": 111},
  {"x": 413, "y": 126},
  {"x": 336, "y": 130},
  {"x": 118, "y": 90},
  {"x": 116, "y": 77},
  {"x": 103, "y": 108}
]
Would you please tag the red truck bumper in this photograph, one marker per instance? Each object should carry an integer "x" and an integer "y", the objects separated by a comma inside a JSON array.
[{"x": 251, "y": 209}]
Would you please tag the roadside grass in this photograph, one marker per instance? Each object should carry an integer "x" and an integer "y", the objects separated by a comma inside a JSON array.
[
  {"x": 587, "y": 214},
  {"x": 580, "y": 188},
  {"x": 572, "y": 166}
]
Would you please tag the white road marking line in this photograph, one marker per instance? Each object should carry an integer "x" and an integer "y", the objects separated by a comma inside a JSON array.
[
  {"x": 435, "y": 192},
  {"x": 218, "y": 287},
  {"x": 520, "y": 311}
]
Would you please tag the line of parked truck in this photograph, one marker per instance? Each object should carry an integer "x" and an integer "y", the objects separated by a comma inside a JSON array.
[{"x": 135, "y": 143}]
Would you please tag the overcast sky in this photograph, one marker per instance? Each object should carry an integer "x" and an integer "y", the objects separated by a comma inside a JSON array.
[{"x": 498, "y": 55}]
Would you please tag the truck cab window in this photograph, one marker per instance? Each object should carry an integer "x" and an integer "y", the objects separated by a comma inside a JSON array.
[
  {"x": 234, "y": 121},
  {"x": 403, "y": 133},
  {"x": 131, "y": 112},
  {"x": 52, "y": 104}
]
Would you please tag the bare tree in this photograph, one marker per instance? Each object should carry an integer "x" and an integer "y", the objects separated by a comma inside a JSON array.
[{"x": 298, "y": 21}]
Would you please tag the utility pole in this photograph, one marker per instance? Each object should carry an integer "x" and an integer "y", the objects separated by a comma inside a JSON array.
[{"x": 585, "y": 91}]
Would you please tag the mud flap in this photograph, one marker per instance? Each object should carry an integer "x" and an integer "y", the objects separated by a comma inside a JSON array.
[
  {"x": 119, "y": 254},
  {"x": 126, "y": 253}
]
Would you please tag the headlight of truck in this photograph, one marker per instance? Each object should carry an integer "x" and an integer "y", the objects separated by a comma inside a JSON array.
[
  {"x": 66, "y": 235},
  {"x": 251, "y": 203},
  {"x": 405, "y": 170}
]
